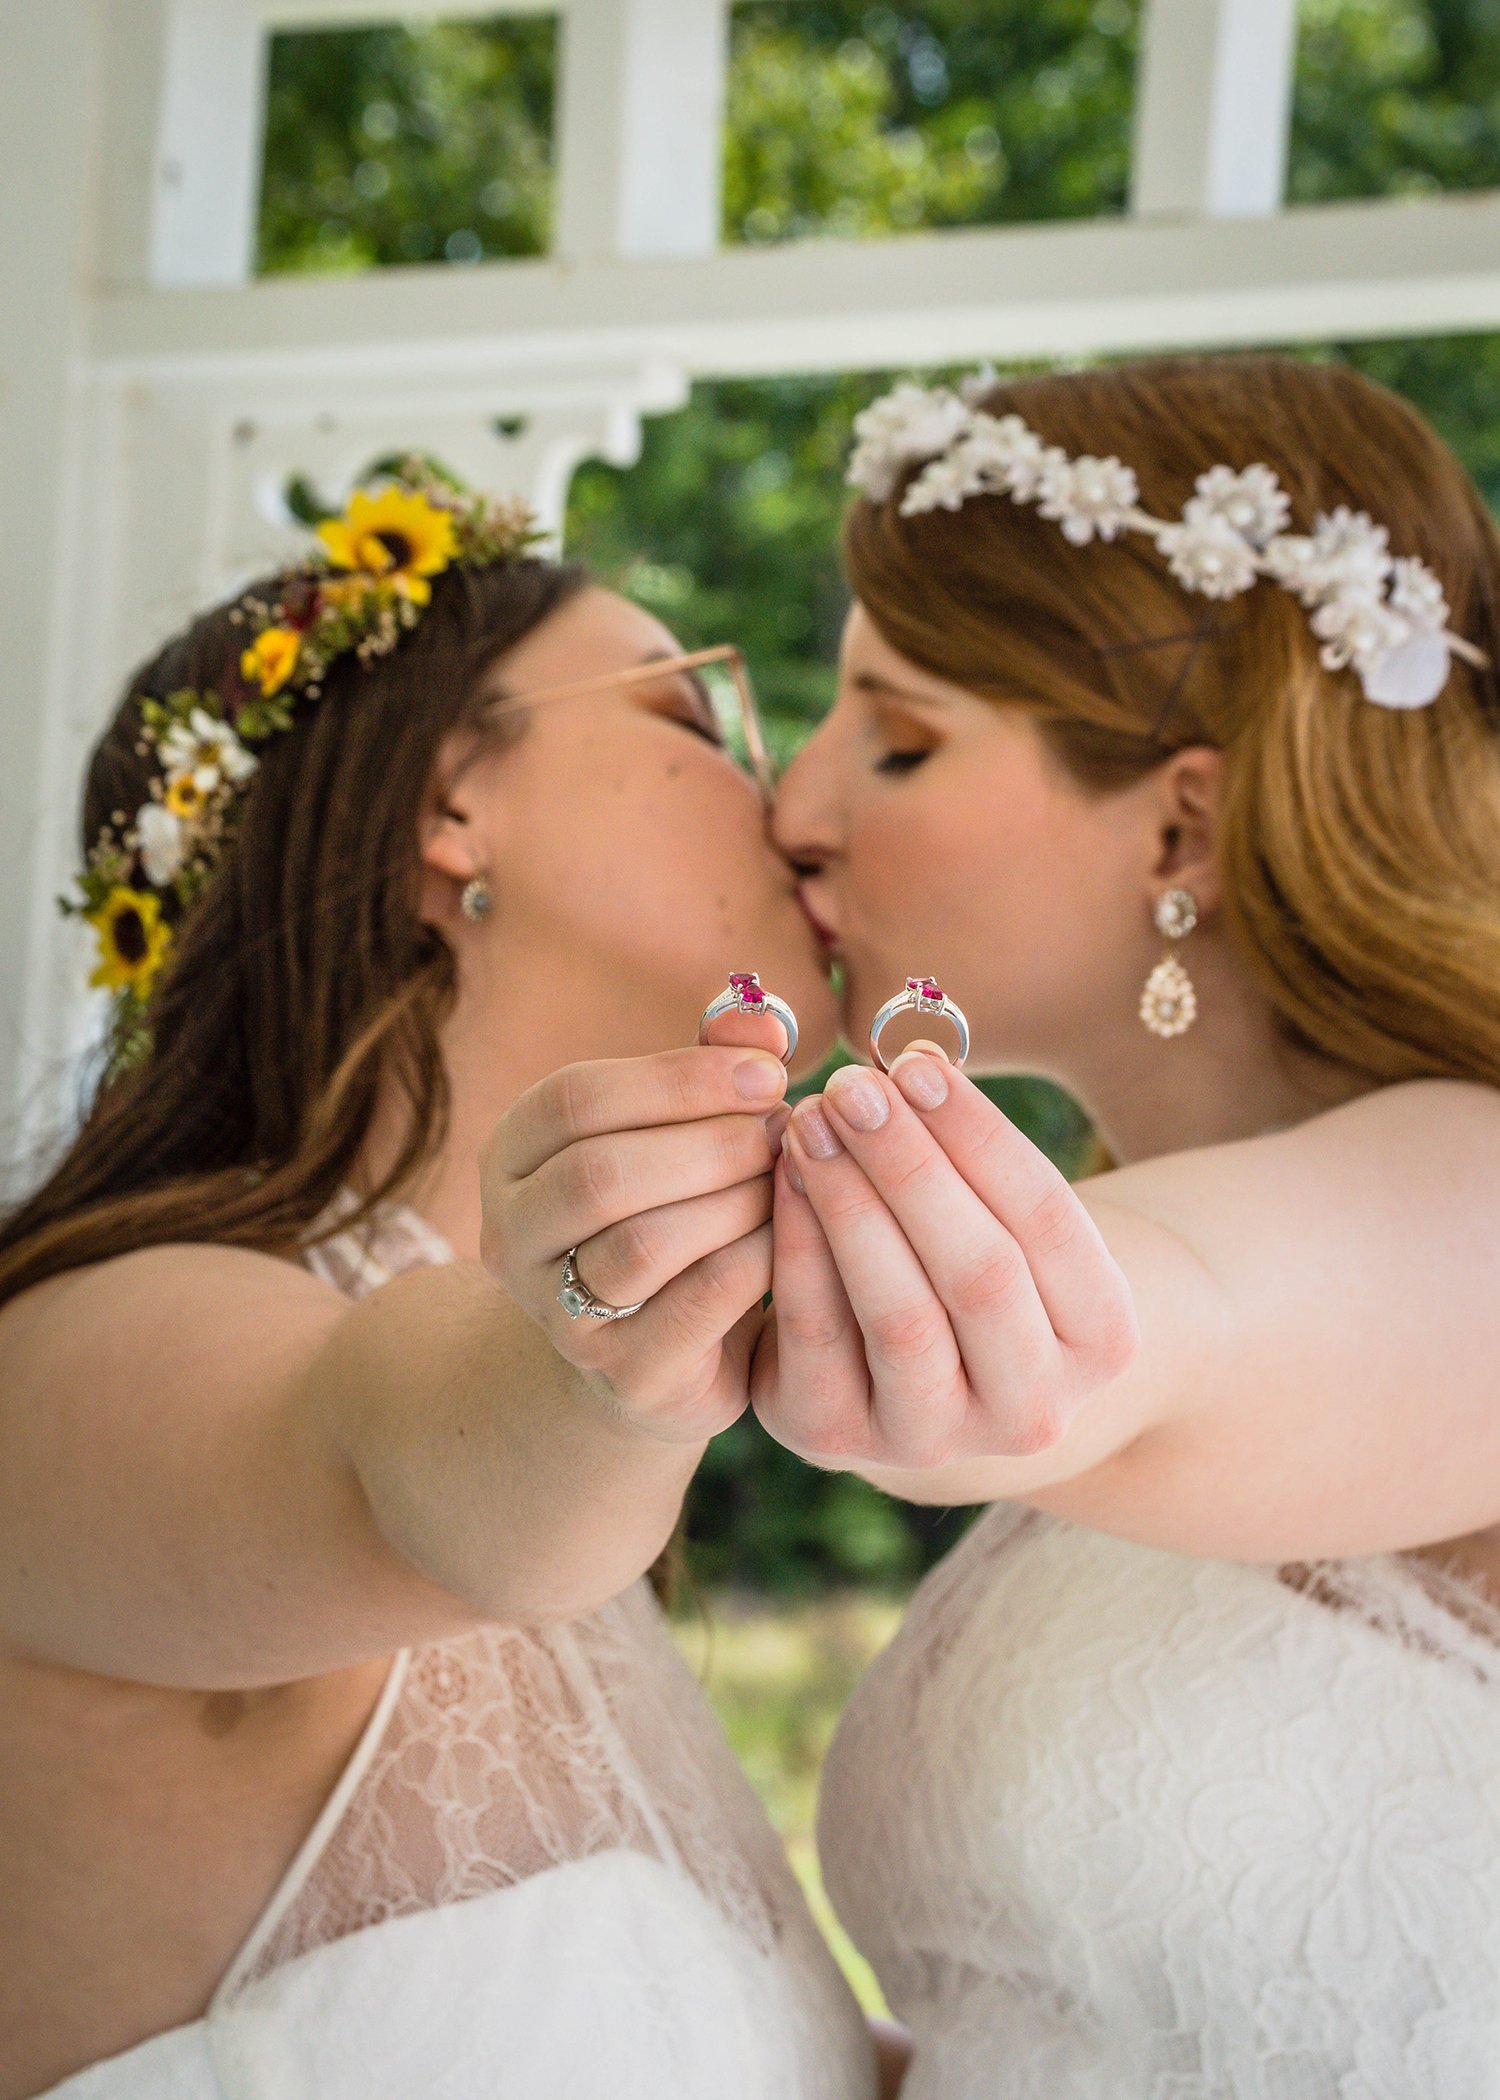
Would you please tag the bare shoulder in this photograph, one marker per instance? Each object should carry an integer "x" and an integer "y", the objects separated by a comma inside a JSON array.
[
  {"x": 184, "y": 1298},
  {"x": 1419, "y": 1151},
  {"x": 1458, "y": 1113},
  {"x": 1341, "y": 1398}
]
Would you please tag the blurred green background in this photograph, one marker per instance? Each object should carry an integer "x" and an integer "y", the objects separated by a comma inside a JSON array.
[{"x": 432, "y": 144}]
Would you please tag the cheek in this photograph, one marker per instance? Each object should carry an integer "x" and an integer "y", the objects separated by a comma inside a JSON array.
[
  {"x": 646, "y": 841},
  {"x": 951, "y": 846},
  {"x": 999, "y": 886}
]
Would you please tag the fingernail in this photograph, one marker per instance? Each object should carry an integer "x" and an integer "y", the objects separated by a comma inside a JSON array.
[
  {"x": 815, "y": 1132},
  {"x": 859, "y": 1097},
  {"x": 776, "y": 1123},
  {"x": 921, "y": 1079},
  {"x": 759, "y": 1078},
  {"x": 789, "y": 1160}
]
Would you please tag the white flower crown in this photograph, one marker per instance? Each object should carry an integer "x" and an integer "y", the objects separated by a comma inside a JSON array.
[{"x": 1384, "y": 617}]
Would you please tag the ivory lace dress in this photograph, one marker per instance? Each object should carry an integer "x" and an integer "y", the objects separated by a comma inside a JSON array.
[
  {"x": 541, "y": 1876},
  {"x": 1115, "y": 1824}
]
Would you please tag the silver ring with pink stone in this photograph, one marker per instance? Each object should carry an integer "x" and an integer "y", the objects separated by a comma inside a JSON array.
[
  {"x": 746, "y": 995},
  {"x": 921, "y": 996}
]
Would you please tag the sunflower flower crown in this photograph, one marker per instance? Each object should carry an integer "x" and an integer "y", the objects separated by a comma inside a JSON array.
[
  {"x": 363, "y": 588},
  {"x": 1382, "y": 616}
]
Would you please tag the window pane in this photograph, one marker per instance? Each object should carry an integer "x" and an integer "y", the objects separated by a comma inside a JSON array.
[
  {"x": 1396, "y": 97},
  {"x": 423, "y": 145},
  {"x": 850, "y": 119}
]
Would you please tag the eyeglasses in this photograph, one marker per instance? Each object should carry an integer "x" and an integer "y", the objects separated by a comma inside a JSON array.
[{"x": 726, "y": 688}]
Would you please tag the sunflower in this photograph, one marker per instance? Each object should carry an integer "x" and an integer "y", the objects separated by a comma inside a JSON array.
[
  {"x": 396, "y": 535},
  {"x": 133, "y": 940},
  {"x": 271, "y": 659}
]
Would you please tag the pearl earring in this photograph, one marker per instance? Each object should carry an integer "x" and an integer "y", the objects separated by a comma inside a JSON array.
[
  {"x": 478, "y": 899},
  {"x": 1169, "y": 1004}
]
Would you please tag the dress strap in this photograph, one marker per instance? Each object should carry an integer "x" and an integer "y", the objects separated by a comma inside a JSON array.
[{"x": 294, "y": 1880}]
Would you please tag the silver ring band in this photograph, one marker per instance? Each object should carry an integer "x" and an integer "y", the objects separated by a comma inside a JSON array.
[
  {"x": 746, "y": 996},
  {"x": 921, "y": 996},
  {"x": 579, "y": 1302}
]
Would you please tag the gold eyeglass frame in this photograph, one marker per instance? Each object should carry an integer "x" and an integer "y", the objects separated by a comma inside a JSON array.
[{"x": 762, "y": 767}]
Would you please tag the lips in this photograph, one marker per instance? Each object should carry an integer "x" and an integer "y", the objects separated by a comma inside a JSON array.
[{"x": 820, "y": 927}]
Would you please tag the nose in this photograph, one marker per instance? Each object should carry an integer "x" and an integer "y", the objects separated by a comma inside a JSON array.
[{"x": 805, "y": 818}]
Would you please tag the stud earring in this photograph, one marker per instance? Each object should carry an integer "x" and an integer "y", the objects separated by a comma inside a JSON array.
[
  {"x": 478, "y": 899},
  {"x": 1169, "y": 1004}
]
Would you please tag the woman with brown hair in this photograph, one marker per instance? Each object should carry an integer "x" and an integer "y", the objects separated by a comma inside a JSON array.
[
  {"x": 1168, "y": 739},
  {"x": 343, "y": 1750},
  {"x": 1168, "y": 736}
]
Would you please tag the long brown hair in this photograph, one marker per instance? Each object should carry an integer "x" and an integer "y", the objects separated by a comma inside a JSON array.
[
  {"x": 303, "y": 978},
  {"x": 1360, "y": 845}
]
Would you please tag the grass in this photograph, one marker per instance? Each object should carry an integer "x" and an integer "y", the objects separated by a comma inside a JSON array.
[{"x": 779, "y": 1677}]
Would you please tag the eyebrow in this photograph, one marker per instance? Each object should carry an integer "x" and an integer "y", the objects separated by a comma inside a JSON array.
[{"x": 887, "y": 688}]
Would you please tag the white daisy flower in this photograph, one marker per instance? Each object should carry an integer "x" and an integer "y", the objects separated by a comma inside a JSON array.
[
  {"x": 1013, "y": 454},
  {"x": 1207, "y": 554},
  {"x": 1350, "y": 551},
  {"x": 1416, "y": 592},
  {"x": 207, "y": 750},
  {"x": 909, "y": 423},
  {"x": 162, "y": 840},
  {"x": 1252, "y": 501},
  {"x": 943, "y": 484},
  {"x": 1357, "y": 629},
  {"x": 1087, "y": 496}
]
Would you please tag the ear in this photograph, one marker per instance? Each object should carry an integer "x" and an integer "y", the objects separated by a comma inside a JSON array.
[
  {"x": 451, "y": 849},
  {"x": 1191, "y": 785}
]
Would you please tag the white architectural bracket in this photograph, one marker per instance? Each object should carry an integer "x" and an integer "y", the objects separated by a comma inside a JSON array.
[{"x": 1213, "y": 107}]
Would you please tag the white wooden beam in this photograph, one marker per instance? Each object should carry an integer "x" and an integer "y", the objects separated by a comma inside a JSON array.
[
  {"x": 1344, "y": 270},
  {"x": 639, "y": 133},
  {"x": 1213, "y": 107},
  {"x": 182, "y": 137}
]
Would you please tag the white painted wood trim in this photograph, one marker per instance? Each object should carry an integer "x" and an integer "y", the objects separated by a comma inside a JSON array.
[
  {"x": 640, "y": 121},
  {"x": 1346, "y": 270},
  {"x": 1213, "y": 106}
]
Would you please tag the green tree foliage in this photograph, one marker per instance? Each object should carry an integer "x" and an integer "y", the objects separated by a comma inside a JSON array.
[
  {"x": 1396, "y": 97},
  {"x": 846, "y": 120},
  {"x": 408, "y": 146}
]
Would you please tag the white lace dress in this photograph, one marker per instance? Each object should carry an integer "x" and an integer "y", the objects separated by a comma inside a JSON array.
[
  {"x": 542, "y": 1876},
  {"x": 1114, "y": 1824}
]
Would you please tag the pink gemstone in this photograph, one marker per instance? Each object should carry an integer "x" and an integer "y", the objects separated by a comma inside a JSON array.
[
  {"x": 914, "y": 984},
  {"x": 738, "y": 979},
  {"x": 752, "y": 995}
]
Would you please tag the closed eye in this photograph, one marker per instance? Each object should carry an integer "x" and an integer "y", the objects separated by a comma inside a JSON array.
[{"x": 685, "y": 700}]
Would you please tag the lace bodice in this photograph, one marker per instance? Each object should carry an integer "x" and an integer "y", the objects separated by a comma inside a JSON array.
[
  {"x": 1113, "y": 1824},
  {"x": 542, "y": 1876}
]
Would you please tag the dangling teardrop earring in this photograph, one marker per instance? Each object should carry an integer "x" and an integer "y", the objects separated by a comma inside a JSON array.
[
  {"x": 1169, "y": 1005},
  {"x": 478, "y": 899}
]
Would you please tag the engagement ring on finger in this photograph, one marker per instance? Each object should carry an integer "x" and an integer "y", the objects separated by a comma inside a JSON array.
[
  {"x": 578, "y": 1301},
  {"x": 922, "y": 996},
  {"x": 746, "y": 996}
]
